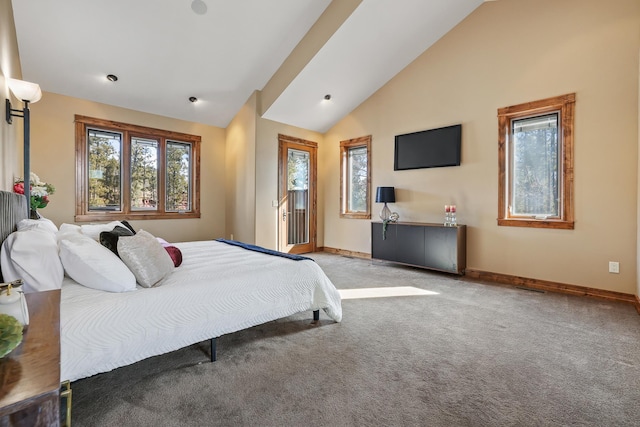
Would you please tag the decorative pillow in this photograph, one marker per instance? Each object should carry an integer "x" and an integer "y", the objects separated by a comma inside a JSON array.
[
  {"x": 162, "y": 241},
  {"x": 94, "y": 230},
  {"x": 32, "y": 255},
  {"x": 42, "y": 223},
  {"x": 145, "y": 257},
  {"x": 109, "y": 239},
  {"x": 175, "y": 254},
  {"x": 94, "y": 266},
  {"x": 126, "y": 224}
]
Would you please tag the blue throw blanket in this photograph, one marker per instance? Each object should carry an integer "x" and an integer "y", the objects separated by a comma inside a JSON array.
[{"x": 263, "y": 250}]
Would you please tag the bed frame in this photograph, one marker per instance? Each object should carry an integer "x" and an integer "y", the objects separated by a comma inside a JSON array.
[
  {"x": 316, "y": 317},
  {"x": 13, "y": 209}
]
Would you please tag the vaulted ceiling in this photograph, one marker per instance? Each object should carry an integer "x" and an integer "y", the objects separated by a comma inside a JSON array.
[{"x": 221, "y": 51}]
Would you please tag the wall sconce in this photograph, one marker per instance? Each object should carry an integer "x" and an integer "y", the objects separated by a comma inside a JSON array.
[
  {"x": 385, "y": 195},
  {"x": 27, "y": 92}
]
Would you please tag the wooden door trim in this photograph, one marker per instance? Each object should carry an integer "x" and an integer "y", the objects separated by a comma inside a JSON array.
[
  {"x": 290, "y": 139},
  {"x": 313, "y": 187}
]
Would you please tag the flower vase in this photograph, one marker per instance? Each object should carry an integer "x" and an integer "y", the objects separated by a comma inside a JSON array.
[{"x": 33, "y": 214}]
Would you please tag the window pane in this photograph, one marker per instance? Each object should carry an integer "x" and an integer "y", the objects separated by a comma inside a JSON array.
[
  {"x": 535, "y": 165},
  {"x": 178, "y": 195},
  {"x": 298, "y": 166},
  {"x": 105, "y": 150},
  {"x": 298, "y": 170},
  {"x": 357, "y": 169},
  {"x": 144, "y": 174}
]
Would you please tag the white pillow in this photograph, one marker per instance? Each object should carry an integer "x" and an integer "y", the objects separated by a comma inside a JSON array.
[
  {"x": 67, "y": 231},
  {"x": 94, "y": 266},
  {"x": 94, "y": 230},
  {"x": 145, "y": 257},
  {"x": 42, "y": 223},
  {"x": 70, "y": 227},
  {"x": 31, "y": 254}
]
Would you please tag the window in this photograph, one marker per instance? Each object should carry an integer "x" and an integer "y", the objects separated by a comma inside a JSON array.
[
  {"x": 535, "y": 156},
  {"x": 355, "y": 178},
  {"x": 133, "y": 172}
]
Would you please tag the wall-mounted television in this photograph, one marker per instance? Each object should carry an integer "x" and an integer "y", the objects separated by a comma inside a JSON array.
[{"x": 431, "y": 148}]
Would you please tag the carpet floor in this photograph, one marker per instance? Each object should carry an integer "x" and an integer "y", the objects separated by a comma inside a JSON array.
[{"x": 462, "y": 354}]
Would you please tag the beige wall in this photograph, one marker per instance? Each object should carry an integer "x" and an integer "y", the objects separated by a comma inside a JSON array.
[
  {"x": 10, "y": 135},
  {"x": 505, "y": 53},
  {"x": 53, "y": 159},
  {"x": 240, "y": 173}
]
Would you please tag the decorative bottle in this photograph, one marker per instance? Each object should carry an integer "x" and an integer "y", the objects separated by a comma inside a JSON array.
[
  {"x": 447, "y": 215},
  {"x": 452, "y": 216}
]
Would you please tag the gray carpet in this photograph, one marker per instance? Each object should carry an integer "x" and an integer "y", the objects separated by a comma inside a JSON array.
[{"x": 472, "y": 355}]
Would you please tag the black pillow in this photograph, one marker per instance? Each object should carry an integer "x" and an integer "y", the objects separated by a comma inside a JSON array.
[
  {"x": 126, "y": 224},
  {"x": 109, "y": 239}
]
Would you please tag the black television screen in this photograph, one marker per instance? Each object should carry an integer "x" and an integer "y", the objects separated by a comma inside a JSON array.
[{"x": 432, "y": 148}]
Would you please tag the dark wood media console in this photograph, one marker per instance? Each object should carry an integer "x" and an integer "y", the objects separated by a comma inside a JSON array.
[{"x": 431, "y": 246}]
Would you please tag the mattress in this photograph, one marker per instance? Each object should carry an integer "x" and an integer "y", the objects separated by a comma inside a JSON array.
[{"x": 217, "y": 290}]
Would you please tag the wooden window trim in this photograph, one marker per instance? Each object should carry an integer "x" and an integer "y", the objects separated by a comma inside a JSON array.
[
  {"x": 345, "y": 146},
  {"x": 83, "y": 214},
  {"x": 565, "y": 104}
]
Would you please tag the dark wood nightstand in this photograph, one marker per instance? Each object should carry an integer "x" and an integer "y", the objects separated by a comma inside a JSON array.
[{"x": 30, "y": 374}]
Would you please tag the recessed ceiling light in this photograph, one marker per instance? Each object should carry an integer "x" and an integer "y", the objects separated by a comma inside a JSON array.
[
  {"x": 199, "y": 7},
  {"x": 112, "y": 77},
  {"x": 193, "y": 99},
  {"x": 327, "y": 97}
]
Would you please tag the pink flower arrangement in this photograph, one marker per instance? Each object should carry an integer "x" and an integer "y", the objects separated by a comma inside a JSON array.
[{"x": 39, "y": 191}]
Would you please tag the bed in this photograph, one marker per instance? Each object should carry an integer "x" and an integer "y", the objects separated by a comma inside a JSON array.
[{"x": 218, "y": 289}]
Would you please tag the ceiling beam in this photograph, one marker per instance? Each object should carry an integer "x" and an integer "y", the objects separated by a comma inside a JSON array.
[{"x": 324, "y": 28}]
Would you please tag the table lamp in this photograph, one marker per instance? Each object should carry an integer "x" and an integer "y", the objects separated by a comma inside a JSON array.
[{"x": 385, "y": 195}]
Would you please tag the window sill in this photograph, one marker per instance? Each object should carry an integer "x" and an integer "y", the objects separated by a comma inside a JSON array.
[
  {"x": 116, "y": 216},
  {"x": 536, "y": 223},
  {"x": 355, "y": 215}
]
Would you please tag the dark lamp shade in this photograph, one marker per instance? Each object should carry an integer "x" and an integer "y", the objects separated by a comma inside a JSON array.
[{"x": 386, "y": 195}]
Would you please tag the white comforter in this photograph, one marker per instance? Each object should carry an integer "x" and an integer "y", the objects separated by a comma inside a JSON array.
[{"x": 218, "y": 289}]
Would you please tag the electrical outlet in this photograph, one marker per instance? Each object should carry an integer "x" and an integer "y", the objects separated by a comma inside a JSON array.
[
  {"x": 231, "y": 236},
  {"x": 614, "y": 267}
]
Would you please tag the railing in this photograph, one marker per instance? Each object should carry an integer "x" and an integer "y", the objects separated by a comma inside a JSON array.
[{"x": 297, "y": 208}]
